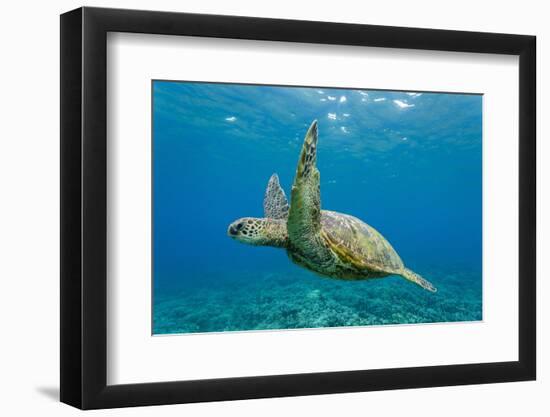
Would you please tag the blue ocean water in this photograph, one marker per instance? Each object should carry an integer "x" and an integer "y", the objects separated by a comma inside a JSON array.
[{"x": 407, "y": 163}]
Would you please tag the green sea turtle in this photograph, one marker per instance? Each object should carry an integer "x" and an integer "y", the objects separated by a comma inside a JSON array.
[{"x": 331, "y": 244}]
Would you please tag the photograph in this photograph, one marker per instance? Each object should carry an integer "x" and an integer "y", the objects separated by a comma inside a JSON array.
[{"x": 279, "y": 207}]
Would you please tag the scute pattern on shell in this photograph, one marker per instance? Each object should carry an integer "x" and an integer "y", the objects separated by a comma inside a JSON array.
[{"x": 364, "y": 244}]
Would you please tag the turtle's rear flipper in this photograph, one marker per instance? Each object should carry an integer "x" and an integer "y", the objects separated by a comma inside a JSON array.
[{"x": 417, "y": 279}]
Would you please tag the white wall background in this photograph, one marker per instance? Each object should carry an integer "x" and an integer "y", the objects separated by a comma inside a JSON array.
[{"x": 29, "y": 209}]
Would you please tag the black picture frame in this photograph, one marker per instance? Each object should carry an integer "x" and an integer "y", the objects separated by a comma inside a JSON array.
[{"x": 84, "y": 207}]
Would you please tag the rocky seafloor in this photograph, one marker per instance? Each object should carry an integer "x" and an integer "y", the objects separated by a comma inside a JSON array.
[{"x": 299, "y": 299}]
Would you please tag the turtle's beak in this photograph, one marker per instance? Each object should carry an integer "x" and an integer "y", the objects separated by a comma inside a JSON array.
[{"x": 234, "y": 228}]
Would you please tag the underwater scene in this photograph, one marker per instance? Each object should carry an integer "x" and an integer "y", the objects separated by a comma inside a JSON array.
[{"x": 374, "y": 216}]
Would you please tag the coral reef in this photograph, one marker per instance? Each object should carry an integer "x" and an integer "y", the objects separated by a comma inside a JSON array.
[{"x": 302, "y": 300}]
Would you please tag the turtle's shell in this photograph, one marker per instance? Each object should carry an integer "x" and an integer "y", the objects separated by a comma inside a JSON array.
[{"x": 357, "y": 245}]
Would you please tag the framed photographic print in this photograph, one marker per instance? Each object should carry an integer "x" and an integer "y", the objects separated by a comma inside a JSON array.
[{"x": 257, "y": 208}]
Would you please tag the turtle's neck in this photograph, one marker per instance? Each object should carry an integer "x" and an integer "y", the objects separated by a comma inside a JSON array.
[{"x": 275, "y": 231}]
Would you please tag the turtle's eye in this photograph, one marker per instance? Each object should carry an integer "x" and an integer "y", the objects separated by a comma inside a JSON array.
[{"x": 235, "y": 228}]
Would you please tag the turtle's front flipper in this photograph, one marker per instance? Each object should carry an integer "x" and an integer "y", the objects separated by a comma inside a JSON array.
[
  {"x": 308, "y": 155},
  {"x": 417, "y": 279},
  {"x": 304, "y": 218},
  {"x": 275, "y": 202}
]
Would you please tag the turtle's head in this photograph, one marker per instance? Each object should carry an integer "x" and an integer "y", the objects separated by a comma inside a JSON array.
[{"x": 259, "y": 232}]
